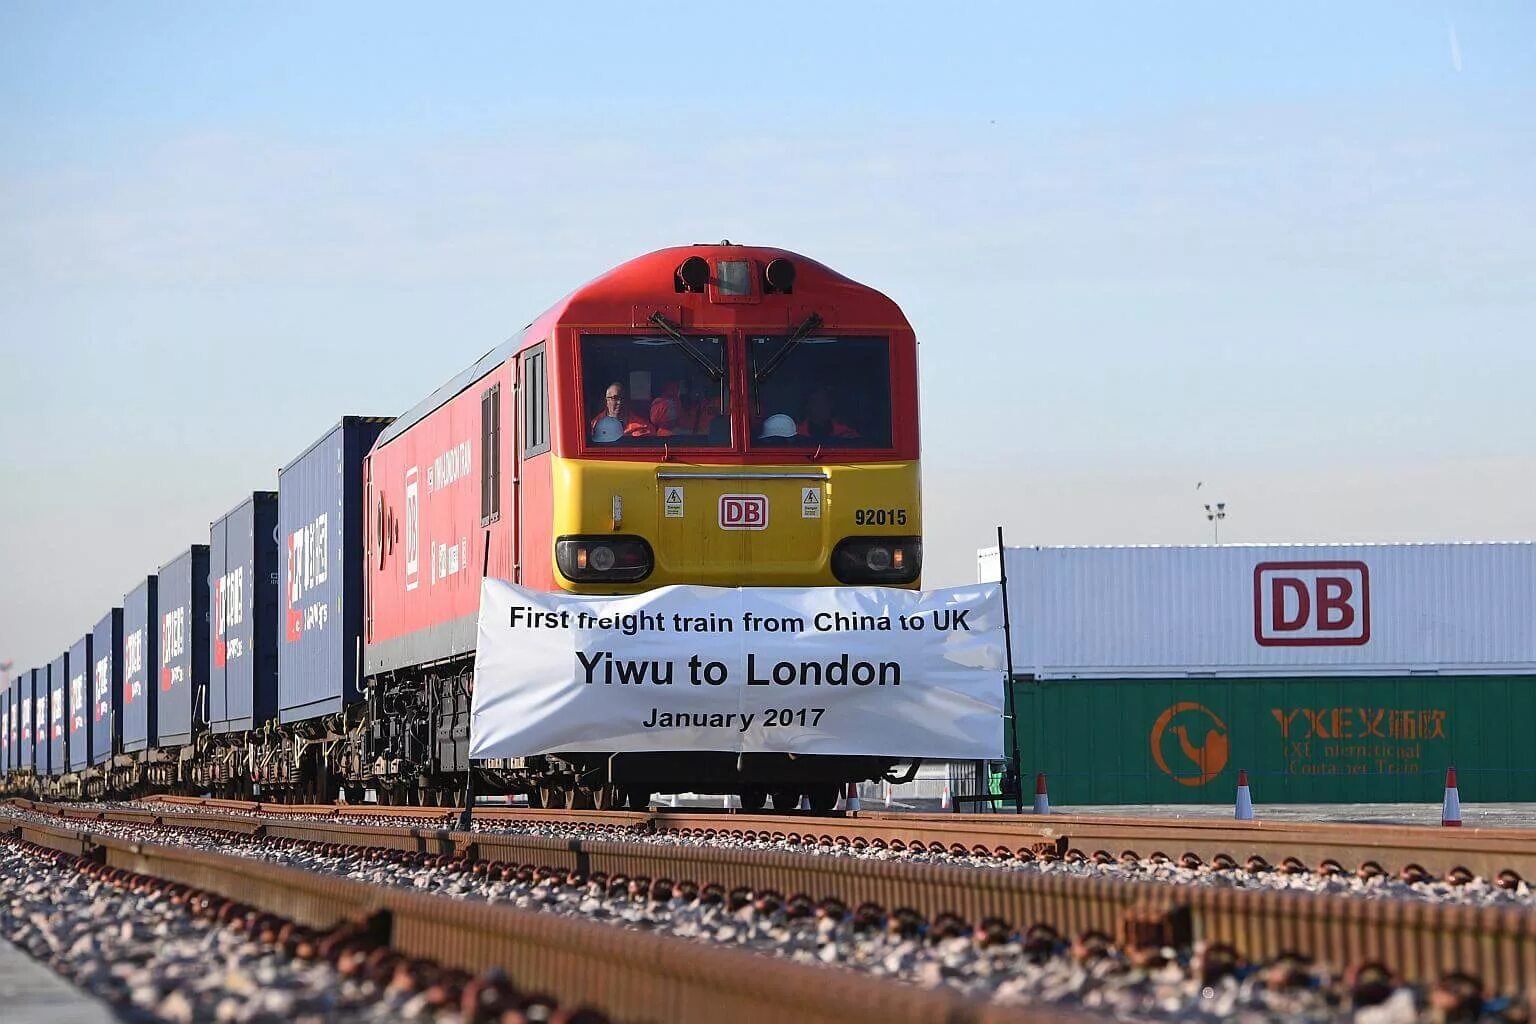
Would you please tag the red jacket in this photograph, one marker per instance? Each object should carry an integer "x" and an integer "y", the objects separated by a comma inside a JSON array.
[{"x": 634, "y": 425}]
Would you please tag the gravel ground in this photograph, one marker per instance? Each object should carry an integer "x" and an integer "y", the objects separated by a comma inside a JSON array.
[
  {"x": 152, "y": 957},
  {"x": 1477, "y": 892},
  {"x": 987, "y": 961}
]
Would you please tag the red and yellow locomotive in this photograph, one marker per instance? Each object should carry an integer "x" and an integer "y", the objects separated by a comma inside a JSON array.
[{"x": 713, "y": 414}]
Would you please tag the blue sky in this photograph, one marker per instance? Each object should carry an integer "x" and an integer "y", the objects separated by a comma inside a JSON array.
[{"x": 1289, "y": 252}]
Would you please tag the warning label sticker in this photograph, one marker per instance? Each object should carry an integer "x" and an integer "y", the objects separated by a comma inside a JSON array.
[
  {"x": 672, "y": 503},
  {"x": 810, "y": 503}
]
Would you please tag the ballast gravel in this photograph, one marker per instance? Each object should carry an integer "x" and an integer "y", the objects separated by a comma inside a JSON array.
[
  {"x": 988, "y": 961},
  {"x": 153, "y": 961}
]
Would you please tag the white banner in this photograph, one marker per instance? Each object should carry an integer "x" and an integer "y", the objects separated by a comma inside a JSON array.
[{"x": 828, "y": 670}]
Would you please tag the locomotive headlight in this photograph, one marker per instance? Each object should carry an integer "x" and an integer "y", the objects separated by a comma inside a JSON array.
[
  {"x": 877, "y": 559},
  {"x": 610, "y": 558}
]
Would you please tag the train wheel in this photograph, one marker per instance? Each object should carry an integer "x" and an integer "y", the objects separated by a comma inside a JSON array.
[
  {"x": 582, "y": 799},
  {"x": 534, "y": 799},
  {"x": 551, "y": 796},
  {"x": 785, "y": 799},
  {"x": 822, "y": 798},
  {"x": 637, "y": 799},
  {"x": 754, "y": 798},
  {"x": 606, "y": 798}
]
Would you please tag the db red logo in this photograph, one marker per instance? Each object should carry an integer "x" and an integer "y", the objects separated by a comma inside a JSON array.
[
  {"x": 743, "y": 512},
  {"x": 1311, "y": 604}
]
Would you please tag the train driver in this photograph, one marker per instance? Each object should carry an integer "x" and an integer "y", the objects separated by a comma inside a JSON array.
[
  {"x": 819, "y": 423},
  {"x": 617, "y": 419}
]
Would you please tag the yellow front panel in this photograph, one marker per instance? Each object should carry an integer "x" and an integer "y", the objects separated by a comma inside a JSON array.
[{"x": 712, "y": 532}]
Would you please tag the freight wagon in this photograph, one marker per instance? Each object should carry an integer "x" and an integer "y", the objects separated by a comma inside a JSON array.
[{"x": 1331, "y": 673}]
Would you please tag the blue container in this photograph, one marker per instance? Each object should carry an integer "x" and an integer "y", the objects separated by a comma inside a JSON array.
[
  {"x": 24, "y": 727},
  {"x": 106, "y": 685},
  {"x": 40, "y": 749},
  {"x": 141, "y": 655},
  {"x": 242, "y": 651},
  {"x": 77, "y": 710},
  {"x": 320, "y": 529},
  {"x": 58, "y": 715},
  {"x": 181, "y": 707},
  {"x": 5, "y": 730}
]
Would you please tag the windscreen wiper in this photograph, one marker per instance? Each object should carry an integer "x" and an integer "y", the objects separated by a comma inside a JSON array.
[
  {"x": 801, "y": 333},
  {"x": 670, "y": 330}
]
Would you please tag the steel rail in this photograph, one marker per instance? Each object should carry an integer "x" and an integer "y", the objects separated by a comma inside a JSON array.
[
  {"x": 631, "y": 976},
  {"x": 1420, "y": 940},
  {"x": 1389, "y": 849}
]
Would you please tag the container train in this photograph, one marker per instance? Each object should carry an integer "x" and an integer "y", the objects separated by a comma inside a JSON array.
[{"x": 723, "y": 415}]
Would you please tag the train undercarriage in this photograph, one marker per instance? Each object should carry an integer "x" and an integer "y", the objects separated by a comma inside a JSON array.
[{"x": 407, "y": 744}]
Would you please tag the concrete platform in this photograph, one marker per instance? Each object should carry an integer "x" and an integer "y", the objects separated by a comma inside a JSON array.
[{"x": 30, "y": 993}]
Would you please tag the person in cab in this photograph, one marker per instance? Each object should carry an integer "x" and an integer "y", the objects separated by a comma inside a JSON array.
[
  {"x": 820, "y": 424},
  {"x": 617, "y": 419},
  {"x": 680, "y": 410}
]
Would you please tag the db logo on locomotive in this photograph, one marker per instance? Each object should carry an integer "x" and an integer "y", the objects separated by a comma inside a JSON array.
[
  {"x": 1202, "y": 744},
  {"x": 743, "y": 512}
]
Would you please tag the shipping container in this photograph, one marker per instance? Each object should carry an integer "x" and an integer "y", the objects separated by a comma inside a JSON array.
[
  {"x": 1330, "y": 673},
  {"x": 41, "y": 751},
  {"x": 5, "y": 731},
  {"x": 242, "y": 570},
  {"x": 78, "y": 707},
  {"x": 106, "y": 686},
  {"x": 58, "y": 718},
  {"x": 181, "y": 707},
  {"x": 24, "y": 728},
  {"x": 1281, "y": 610},
  {"x": 12, "y": 722},
  {"x": 1324, "y": 739},
  {"x": 320, "y": 526},
  {"x": 141, "y": 653}
]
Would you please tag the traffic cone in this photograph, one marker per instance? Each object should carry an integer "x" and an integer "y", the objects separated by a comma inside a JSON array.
[
  {"x": 1042, "y": 798},
  {"x": 946, "y": 801},
  {"x": 851, "y": 801},
  {"x": 1450, "y": 811},
  {"x": 1244, "y": 799}
]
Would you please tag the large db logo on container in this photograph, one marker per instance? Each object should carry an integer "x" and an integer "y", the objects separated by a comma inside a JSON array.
[
  {"x": 743, "y": 512},
  {"x": 1311, "y": 604}
]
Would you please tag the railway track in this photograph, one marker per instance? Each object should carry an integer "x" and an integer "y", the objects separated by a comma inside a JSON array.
[
  {"x": 1421, "y": 942},
  {"x": 1392, "y": 850},
  {"x": 455, "y": 944}
]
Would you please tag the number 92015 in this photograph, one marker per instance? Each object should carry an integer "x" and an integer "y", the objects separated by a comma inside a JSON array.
[{"x": 880, "y": 517}]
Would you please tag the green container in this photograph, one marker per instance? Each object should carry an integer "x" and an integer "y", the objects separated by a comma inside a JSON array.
[{"x": 1385, "y": 739}]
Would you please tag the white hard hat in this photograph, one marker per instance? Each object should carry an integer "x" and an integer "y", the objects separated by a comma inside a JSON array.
[
  {"x": 607, "y": 430},
  {"x": 779, "y": 425}
]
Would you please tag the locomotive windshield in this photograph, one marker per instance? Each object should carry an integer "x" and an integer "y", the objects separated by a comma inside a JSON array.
[
  {"x": 822, "y": 391},
  {"x": 650, "y": 390}
]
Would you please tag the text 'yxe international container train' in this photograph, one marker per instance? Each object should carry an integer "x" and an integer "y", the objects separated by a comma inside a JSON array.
[
  {"x": 1331, "y": 673},
  {"x": 720, "y": 415}
]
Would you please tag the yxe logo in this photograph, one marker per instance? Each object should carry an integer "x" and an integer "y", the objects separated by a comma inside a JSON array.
[
  {"x": 309, "y": 564},
  {"x": 100, "y": 682},
  {"x": 133, "y": 664},
  {"x": 1190, "y": 743}
]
